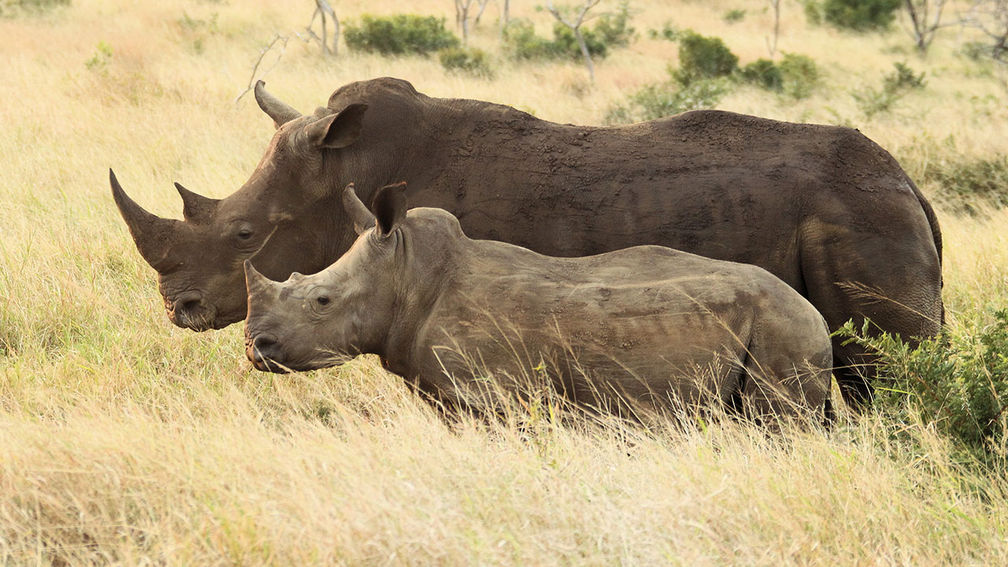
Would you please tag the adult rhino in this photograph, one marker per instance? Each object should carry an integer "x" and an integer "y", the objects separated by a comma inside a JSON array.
[
  {"x": 645, "y": 328},
  {"x": 821, "y": 207}
]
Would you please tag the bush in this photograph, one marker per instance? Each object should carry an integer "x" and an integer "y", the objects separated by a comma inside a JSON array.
[
  {"x": 763, "y": 73},
  {"x": 399, "y": 34},
  {"x": 521, "y": 41},
  {"x": 903, "y": 78},
  {"x": 667, "y": 99},
  {"x": 733, "y": 16},
  {"x": 668, "y": 31},
  {"x": 614, "y": 29},
  {"x": 796, "y": 75},
  {"x": 565, "y": 43},
  {"x": 13, "y": 7},
  {"x": 799, "y": 75},
  {"x": 956, "y": 383},
  {"x": 467, "y": 60},
  {"x": 703, "y": 57},
  {"x": 610, "y": 30},
  {"x": 967, "y": 185},
  {"x": 895, "y": 85},
  {"x": 857, "y": 15}
]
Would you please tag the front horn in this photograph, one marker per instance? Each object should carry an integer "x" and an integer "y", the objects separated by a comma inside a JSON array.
[
  {"x": 150, "y": 232},
  {"x": 255, "y": 282},
  {"x": 277, "y": 110}
]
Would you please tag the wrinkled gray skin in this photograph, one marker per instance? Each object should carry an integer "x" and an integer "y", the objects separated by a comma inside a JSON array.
[
  {"x": 445, "y": 311},
  {"x": 823, "y": 208}
]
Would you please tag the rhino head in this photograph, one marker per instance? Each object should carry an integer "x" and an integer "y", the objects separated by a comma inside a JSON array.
[
  {"x": 310, "y": 322},
  {"x": 282, "y": 215}
]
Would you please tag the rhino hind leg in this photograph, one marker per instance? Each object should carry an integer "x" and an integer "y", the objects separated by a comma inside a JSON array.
[
  {"x": 783, "y": 375},
  {"x": 902, "y": 297}
]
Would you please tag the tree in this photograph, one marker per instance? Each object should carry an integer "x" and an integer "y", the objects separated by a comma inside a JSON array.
[
  {"x": 574, "y": 22},
  {"x": 322, "y": 8},
  {"x": 991, "y": 18},
  {"x": 462, "y": 17},
  {"x": 772, "y": 47},
  {"x": 925, "y": 19},
  {"x": 482, "y": 8}
]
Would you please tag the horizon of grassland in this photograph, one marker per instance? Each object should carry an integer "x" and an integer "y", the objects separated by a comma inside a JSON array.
[{"x": 126, "y": 440}]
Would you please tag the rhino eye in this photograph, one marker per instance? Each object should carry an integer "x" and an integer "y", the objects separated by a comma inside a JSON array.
[
  {"x": 245, "y": 233},
  {"x": 322, "y": 300}
]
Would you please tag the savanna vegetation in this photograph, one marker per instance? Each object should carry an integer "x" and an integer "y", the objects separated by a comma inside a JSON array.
[{"x": 126, "y": 440}]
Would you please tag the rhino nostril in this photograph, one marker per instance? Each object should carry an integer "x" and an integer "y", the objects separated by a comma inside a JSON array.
[
  {"x": 262, "y": 342},
  {"x": 188, "y": 303}
]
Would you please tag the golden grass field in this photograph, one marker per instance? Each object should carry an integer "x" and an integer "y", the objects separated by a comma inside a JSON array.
[{"x": 125, "y": 440}]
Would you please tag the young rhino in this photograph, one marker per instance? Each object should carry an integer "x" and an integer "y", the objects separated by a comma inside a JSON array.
[{"x": 645, "y": 327}]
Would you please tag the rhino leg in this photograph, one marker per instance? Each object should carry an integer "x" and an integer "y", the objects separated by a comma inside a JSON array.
[
  {"x": 849, "y": 272},
  {"x": 786, "y": 371}
]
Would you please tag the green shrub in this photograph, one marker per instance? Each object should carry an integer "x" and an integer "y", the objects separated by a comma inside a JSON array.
[
  {"x": 813, "y": 12},
  {"x": 967, "y": 185},
  {"x": 667, "y": 99},
  {"x": 614, "y": 29},
  {"x": 895, "y": 86},
  {"x": 857, "y": 15},
  {"x": 100, "y": 58},
  {"x": 521, "y": 41},
  {"x": 799, "y": 75},
  {"x": 565, "y": 43},
  {"x": 733, "y": 16},
  {"x": 399, "y": 34},
  {"x": 763, "y": 73},
  {"x": 467, "y": 60},
  {"x": 703, "y": 57},
  {"x": 668, "y": 31},
  {"x": 903, "y": 78},
  {"x": 13, "y": 7},
  {"x": 957, "y": 383},
  {"x": 610, "y": 30}
]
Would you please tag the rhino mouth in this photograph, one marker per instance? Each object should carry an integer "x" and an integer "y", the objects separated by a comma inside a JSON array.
[
  {"x": 263, "y": 351},
  {"x": 190, "y": 311}
]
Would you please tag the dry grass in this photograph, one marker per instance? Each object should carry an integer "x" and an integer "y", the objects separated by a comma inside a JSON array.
[{"x": 126, "y": 440}]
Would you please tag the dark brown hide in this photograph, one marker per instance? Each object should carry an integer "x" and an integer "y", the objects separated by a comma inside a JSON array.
[
  {"x": 647, "y": 325},
  {"x": 822, "y": 207}
]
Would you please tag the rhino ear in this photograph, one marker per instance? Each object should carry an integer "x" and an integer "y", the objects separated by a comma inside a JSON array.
[
  {"x": 359, "y": 214},
  {"x": 389, "y": 207},
  {"x": 338, "y": 130}
]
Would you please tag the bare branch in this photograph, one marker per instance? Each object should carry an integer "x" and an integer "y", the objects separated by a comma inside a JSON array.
[
  {"x": 278, "y": 39},
  {"x": 925, "y": 21}
]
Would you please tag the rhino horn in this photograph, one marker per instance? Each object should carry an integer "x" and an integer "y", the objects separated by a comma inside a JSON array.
[
  {"x": 359, "y": 214},
  {"x": 150, "y": 232},
  {"x": 196, "y": 207},
  {"x": 272, "y": 106},
  {"x": 255, "y": 282}
]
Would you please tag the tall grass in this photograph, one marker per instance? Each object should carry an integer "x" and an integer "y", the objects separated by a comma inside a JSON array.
[{"x": 124, "y": 439}]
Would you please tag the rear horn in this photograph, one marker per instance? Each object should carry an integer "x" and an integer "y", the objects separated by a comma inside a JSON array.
[{"x": 272, "y": 106}]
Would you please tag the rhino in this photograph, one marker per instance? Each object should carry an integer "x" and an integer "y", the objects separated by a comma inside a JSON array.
[
  {"x": 821, "y": 207},
  {"x": 636, "y": 330}
]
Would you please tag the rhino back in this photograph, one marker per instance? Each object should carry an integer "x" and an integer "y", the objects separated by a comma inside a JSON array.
[
  {"x": 645, "y": 319},
  {"x": 718, "y": 184}
]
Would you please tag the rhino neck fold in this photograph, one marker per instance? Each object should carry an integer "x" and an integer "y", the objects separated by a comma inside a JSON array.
[{"x": 421, "y": 276}]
